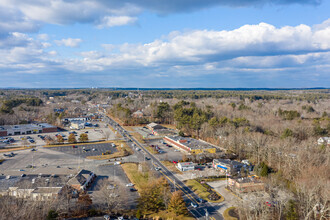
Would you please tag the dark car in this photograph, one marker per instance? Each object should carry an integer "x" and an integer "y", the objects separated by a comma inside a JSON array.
[{"x": 132, "y": 189}]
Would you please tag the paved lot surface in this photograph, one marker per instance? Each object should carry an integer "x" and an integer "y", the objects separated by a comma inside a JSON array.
[
  {"x": 230, "y": 199},
  {"x": 94, "y": 134},
  {"x": 169, "y": 152},
  {"x": 91, "y": 149}
]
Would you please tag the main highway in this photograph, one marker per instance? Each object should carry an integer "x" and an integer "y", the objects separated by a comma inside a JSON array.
[{"x": 203, "y": 210}]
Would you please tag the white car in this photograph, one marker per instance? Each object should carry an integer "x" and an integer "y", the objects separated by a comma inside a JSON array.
[
  {"x": 117, "y": 163},
  {"x": 129, "y": 184},
  {"x": 194, "y": 205}
]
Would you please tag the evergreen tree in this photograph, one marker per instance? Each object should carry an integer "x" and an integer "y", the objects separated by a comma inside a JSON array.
[{"x": 177, "y": 204}]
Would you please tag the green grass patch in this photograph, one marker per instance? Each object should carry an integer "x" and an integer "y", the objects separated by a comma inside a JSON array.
[
  {"x": 122, "y": 152},
  {"x": 169, "y": 215},
  {"x": 171, "y": 166},
  {"x": 151, "y": 150},
  {"x": 201, "y": 191},
  {"x": 139, "y": 179},
  {"x": 227, "y": 216}
]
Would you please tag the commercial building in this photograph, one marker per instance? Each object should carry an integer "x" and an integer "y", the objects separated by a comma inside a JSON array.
[
  {"x": 246, "y": 184},
  {"x": 190, "y": 145},
  {"x": 77, "y": 125},
  {"x": 186, "y": 166},
  {"x": 36, "y": 194},
  {"x": 33, "y": 128},
  {"x": 229, "y": 166},
  {"x": 82, "y": 180},
  {"x": 154, "y": 126}
]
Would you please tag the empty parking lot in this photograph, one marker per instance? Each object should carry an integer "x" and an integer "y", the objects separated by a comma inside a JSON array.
[{"x": 90, "y": 149}]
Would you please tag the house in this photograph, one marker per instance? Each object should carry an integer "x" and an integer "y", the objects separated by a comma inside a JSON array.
[
  {"x": 246, "y": 184},
  {"x": 324, "y": 140},
  {"x": 189, "y": 145},
  {"x": 229, "y": 166},
  {"x": 82, "y": 180},
  {"x": 185, "y": 166},
  {"x": 137, "y": 114}
]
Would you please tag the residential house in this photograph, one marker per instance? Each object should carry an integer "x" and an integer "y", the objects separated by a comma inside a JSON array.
[
  {"x": 324, "y": 140},
  {"x": 137, "y": 114}
]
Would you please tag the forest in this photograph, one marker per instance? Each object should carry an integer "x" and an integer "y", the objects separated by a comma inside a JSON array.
[{"x": 276, "y": 130}]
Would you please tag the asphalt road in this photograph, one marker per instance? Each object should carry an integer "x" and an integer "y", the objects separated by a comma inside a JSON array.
[{"x": 204, "y": 210}]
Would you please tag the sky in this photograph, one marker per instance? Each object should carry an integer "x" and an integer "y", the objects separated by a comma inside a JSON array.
[{"x": 165, "y": 43}]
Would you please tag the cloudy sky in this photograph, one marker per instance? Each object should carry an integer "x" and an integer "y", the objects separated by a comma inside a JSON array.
[{"x": 165, "y": 43}]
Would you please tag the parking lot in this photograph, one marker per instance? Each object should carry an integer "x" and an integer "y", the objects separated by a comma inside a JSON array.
[
  {"x": 94, "y": 134},
  {"x": 86, "y": 150},
  {"x": 169, "y": 153}
]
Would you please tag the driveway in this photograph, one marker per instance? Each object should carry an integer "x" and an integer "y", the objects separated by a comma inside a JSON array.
[{"x": 230, "y": 199}]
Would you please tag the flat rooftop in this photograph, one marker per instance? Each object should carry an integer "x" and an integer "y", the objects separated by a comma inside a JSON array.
[
  {"x": 247, "y": 180},
  {"x": 192, "y": 143},
  {"x": 33, "y": 181},
  {"x": 27, "y": 126},
  {"x": 229, "y": 162}
]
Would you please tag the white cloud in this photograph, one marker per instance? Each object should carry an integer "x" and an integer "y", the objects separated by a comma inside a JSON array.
[
  {"x": 250, "y": 49},
  {"x": 111, "y": 21},
  {"x": 43, "y": 37},
  {"x": 69, "y": 42}
]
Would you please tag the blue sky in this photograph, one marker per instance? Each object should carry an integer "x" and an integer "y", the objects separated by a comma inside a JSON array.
[{"x": 165, "y": 43}]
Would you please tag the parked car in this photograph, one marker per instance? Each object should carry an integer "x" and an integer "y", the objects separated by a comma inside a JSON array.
[
  {"x": 132, "y": 189},
  {"x": 129, "y": 184},
  {"x": 147, "y": 158},
  {"x": 175, "y": 161},
  {"x": 194, "y": 205}
]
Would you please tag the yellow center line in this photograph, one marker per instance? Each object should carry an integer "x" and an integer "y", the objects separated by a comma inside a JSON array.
[{"x": 184, "y": 191}]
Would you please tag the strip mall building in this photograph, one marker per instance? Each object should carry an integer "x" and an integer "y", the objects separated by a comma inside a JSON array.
[
  {"x": 189, "y": 145},
  {"x": 34, "y": 128}
]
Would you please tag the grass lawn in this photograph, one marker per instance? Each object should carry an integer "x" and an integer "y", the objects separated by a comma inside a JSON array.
[
  {"x": 118, "y": 135},
  {"x": 15, "y": 149},
  {"x": 139, "y": 179},
  {"x": 171, "y": 166},
  {"x": 151, "y": 150},
  {"x": 138, "y": 137},
  {"x": 166, "y": 215},
  {"x": 201, "y": 191},
  {"x": 77, "y": 144},
  {"x": 227, "y": 216}
]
